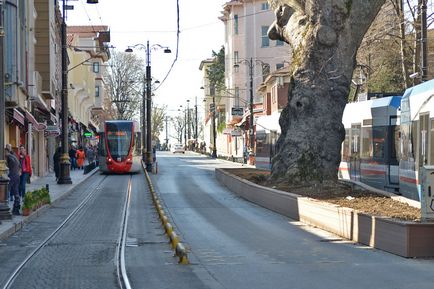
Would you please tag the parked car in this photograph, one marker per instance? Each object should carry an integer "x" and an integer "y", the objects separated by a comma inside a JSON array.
[{"x": 178, "y": 148}]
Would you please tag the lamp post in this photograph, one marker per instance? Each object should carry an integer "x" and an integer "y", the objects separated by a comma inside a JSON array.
[
  {"x": 64, "y": 177},
  {"x": 251, "y": 63},
  {"x": 214, "y": 133},
  {"x": 148, "y": 156}
]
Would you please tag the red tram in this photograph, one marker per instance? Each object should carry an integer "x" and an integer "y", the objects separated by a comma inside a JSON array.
[{"x": 117, "y": 147}]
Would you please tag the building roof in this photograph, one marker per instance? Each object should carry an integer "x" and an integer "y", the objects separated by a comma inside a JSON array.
[{"x": 87, "y": 31}]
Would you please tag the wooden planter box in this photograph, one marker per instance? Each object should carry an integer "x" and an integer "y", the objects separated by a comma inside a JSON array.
[{"x": 407, "y": 239}]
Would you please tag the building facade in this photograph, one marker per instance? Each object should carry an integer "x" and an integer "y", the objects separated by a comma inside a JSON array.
[
  {"x": 33, "y": 72},
  {"x": 250, "y": 56}
]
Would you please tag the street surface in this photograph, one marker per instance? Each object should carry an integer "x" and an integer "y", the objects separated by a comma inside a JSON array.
[{"x": 232, "y": 243}]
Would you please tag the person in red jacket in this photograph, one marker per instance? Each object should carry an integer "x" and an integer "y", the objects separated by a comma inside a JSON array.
[{"x": 26, "y": 170}]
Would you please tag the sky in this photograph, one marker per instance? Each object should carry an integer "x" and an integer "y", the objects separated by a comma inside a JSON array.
[{"x": 138, "y": 21}]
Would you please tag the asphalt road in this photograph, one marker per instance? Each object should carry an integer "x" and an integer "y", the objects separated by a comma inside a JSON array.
[{"x": 236, "y": 244}]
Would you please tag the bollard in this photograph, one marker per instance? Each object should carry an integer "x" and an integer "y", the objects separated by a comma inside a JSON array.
[
  {"x": 164, "y": 220},
  {"x": 169, "y": 228},
  {"x": 174, "y": 239},
  {"x": 182, "y": 254}
]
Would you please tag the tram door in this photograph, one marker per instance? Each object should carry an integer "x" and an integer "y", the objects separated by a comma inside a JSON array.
[
  {"x": 393, "y": 149},
  {"x": 355, "y": 152},
  {"x": 423, "y": 139}
]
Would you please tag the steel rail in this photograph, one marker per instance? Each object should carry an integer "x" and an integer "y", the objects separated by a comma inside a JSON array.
[
  {"x": 123, "y": 280},
  {"x": 17, "y": 271}
]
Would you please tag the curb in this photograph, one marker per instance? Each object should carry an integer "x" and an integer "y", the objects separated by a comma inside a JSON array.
[
  {"x": 15, "y": 226},
  {"x": 177, "y": 246}
]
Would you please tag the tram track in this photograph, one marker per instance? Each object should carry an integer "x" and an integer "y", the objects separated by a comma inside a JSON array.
[{"x": 123, "y": 281}]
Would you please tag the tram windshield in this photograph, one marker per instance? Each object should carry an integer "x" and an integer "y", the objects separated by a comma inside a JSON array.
[{"x": 118, "y": 137}]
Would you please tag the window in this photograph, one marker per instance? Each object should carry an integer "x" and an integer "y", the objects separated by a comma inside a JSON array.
[
  {"x": 279, "y": 66},
  {"x": 265, "y": 39},
  {"x": 236, "y": 24},
  {"x": 265, "y": 71},
  {"x": 236, "y": 60},
  {"x": 95, "y": 67},
  {"x": 265, "y": 6},
  {"x": 97, "y": 91},
  {"x": 237, "y": 96}
]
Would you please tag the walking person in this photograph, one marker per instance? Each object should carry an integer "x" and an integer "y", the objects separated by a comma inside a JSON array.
[
  {"x": 26, "y": 170},
  {"x": 14, "y": 177},
  {"x": 81, "y": 156}
]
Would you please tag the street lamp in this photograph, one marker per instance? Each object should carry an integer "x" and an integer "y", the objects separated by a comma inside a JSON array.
[
  {"x": 148, "y": 157},
  {"x": 250, "y": 63},
  {"x": 64, "y": 177}
]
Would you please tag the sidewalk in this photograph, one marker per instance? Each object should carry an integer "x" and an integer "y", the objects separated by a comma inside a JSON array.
[{"x": 9, "y": 227}]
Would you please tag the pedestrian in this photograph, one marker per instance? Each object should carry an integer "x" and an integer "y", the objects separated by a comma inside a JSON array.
[
  {"x": 56, "y": 160},
  {"x": 14, "y": 177},
  {"x": 81, "y": 156},
  {"x": 26, "y": 171},
  {"x": 72, "y": 153},
  {"x": 90, "y": 154}
]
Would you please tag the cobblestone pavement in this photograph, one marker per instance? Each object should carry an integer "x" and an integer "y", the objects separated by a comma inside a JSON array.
[{"x": 9, "y": 227}]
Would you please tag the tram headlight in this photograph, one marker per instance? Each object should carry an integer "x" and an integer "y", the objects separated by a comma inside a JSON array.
[{"x": 109, "y": 160}]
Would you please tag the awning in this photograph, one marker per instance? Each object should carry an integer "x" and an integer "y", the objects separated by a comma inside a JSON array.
[
  {"x": 268, "y": 123},
  {"x": 18, "y": 116},
  {"x": 36, "y": 125}
]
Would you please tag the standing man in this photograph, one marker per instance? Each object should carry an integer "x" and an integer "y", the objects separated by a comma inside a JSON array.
[
  {"x": 14, "y": 177},
  {"x": 26, "y": 170},
  {"x": 72, "y": 152}
]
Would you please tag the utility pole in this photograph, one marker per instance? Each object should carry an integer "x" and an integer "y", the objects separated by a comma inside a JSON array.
[
  {"x": 167, "y": 134},
  {"x": 188, "y": 119}
]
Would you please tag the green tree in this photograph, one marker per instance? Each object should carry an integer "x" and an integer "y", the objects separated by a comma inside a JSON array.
[{"x": 216, "y": 71}]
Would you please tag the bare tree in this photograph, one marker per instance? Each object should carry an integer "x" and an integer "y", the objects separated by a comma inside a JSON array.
[
  {"x": 324, "y": 37},
  {"x": 124, "y": 84},
  {"x": 158, "y": 115},
  {"x": 179, "y": 125}
]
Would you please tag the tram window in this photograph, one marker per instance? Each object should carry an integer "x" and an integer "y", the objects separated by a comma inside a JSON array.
[
  {"x": 366, "y": 148},
  {"x": 119, "y": 138},
  {"x": 395, "y": 153},
  {"x": 404, "y": 144},
  {"x": 379, "y": 135},
  {"x": 355, "y": 139}
]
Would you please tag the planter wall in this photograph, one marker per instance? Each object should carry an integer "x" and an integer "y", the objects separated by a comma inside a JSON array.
[{"x": 407, "y": 239}]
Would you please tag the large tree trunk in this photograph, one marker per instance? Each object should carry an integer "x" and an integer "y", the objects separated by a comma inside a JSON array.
[{"x": 324, "y": 36}]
